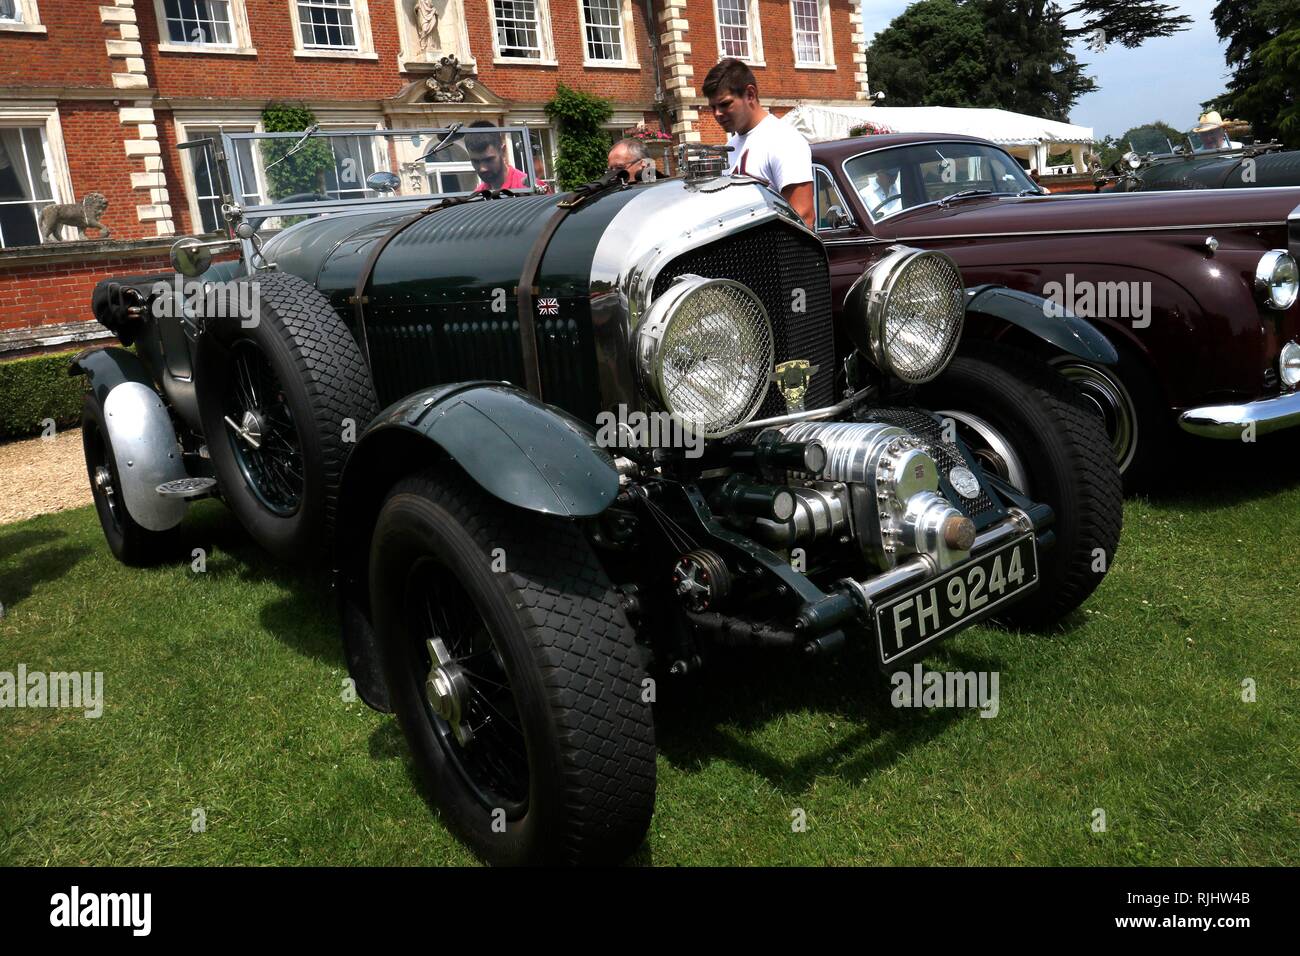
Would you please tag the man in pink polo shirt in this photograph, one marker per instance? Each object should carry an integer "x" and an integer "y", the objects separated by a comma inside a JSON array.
[{"x": 487, "y": 151}]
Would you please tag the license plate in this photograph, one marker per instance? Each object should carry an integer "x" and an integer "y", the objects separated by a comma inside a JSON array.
[{"x": 955, "y": 599}]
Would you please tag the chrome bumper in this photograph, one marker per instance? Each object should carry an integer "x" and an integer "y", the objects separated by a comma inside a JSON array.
[{"x": 1228, "y": 421}]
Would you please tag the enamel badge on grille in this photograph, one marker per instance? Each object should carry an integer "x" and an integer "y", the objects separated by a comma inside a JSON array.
[{"x": 548, "y": 306}]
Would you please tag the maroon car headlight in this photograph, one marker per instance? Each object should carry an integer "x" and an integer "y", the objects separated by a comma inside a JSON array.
[
  {"x": 1288, "y": 364},
  {"x": 1277, "y": 279},
  {"x": 906, "y": 312}
]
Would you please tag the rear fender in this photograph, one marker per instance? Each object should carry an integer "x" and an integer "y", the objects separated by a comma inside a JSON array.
[{"x": 140, "y": 431}]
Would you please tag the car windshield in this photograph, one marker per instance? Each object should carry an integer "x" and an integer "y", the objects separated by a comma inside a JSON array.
[
  {"x": 892, "y": 180},
  {"x": 333, "y": 169}
]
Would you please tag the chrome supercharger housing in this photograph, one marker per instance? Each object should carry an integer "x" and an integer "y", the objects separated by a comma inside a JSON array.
[{"x": 879, "y": 486}]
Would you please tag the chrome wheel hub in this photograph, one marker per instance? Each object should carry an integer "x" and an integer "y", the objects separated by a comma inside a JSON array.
[
  {"x": 104, "y": 479},
  {"x": 1112, "y": 401},
  {"x": 447, "y": 689}
]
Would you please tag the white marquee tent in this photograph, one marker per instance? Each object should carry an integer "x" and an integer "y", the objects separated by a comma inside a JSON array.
[{"x": 1027, "y": 137}]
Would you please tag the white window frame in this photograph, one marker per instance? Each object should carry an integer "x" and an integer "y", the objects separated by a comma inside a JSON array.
[
  {"x": 827, "y": 62},
  {"x": 192, "y": 126},
  {"x": 28, "y": 20},
  {"x": 365, "y": 48},
  {"x": 56, "y": 157},
  {"x": 755, "y": 57},
  {"x": 627, "y": 40},
  {"x": 544, "y": 38},
  {"x": 338, "y": 123},
  {"x": 241, "y": 45}
]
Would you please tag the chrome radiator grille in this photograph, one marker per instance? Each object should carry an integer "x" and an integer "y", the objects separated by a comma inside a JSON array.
[{"x": 776, "y": 262}]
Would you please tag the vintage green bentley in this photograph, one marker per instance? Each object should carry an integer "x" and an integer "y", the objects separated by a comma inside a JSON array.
[{"x": 556, "y": 448}]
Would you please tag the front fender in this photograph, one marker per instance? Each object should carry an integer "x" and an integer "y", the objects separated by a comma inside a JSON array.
[
  {"x": 516, "y": 448},
  {"x": 1039, "y": 317}
]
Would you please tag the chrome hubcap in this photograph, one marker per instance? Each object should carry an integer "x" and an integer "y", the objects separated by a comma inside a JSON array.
[
  {"x": 1112, "y": 401},
  {"x": 447, "y": 688},
  {"x": 990, "y": 448},
  {"x": 103, "y": 480}
]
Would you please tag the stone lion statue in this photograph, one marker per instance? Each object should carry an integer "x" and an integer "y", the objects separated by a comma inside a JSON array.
[{"x": 81, "y": 216}]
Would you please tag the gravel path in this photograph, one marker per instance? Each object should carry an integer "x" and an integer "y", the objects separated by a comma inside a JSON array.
[{"x": 42, "y": 474}]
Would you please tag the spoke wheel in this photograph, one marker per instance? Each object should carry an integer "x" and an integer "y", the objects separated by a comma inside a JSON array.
[
  {"x": 283, "y": 399},
  {"x": 263, "y": 434},
  {"x": 466, "y": 689}
]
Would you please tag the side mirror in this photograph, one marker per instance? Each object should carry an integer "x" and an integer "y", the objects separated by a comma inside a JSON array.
[
  {"x": 838, "y": 217},
  {"x": 383, "y": 182},
  {"x": 190, "y": 257}
]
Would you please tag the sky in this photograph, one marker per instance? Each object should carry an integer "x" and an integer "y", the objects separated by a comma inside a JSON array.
[{"x": 1165, "y": 79}]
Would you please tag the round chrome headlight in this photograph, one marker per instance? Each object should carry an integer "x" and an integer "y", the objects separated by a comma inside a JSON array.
[
  {"x": 1288, "y": 364},
  {"x": 705, "y": 351},
  {"x": 1132, "y": 160},
  {"x": 1277, "y": 279},
  {"x": 906, "y": 313}
]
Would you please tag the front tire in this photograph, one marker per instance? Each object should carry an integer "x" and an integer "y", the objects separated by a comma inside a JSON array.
[
  {"x": 1025, "y": 422},
  {"x": 542, "y": 751}
]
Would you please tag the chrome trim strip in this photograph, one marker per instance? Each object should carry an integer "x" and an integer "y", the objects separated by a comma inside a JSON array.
[
  {"x": 1228, "y": 421},
  {"x": 1060, "y": 232},
  {"x": 848, "y": 210}
]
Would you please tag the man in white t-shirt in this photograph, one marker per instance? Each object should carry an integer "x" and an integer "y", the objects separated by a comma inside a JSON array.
[{"x": 761, "y": 145}]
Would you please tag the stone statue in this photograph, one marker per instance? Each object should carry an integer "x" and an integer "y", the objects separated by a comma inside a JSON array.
[
  {"x": 426, "y": 25},
  {"x": 81, "y": 216},
  {"x": 449, "y": 82}
]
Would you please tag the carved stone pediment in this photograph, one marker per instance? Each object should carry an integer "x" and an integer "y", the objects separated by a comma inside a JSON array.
[
  {"x": 450, "y": 81},
  {"x": 455, "y": 88}
]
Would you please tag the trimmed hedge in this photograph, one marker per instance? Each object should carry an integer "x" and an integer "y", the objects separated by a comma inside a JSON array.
[{"x": 34, "y": 389}]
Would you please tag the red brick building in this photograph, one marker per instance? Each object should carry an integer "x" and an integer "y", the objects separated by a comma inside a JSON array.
[{"x": 94, "y": 97}]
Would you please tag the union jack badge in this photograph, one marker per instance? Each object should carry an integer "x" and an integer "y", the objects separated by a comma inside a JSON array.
[{"x": 548, "y": 306}]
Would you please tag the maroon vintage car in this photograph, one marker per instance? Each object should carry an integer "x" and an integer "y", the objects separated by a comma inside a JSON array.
[{"x": 1196, "y": 291}]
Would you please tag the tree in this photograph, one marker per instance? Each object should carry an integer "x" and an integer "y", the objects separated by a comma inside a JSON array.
[
  {"x": 932, "y": 54},
  {"x": 1009, "y": 54},
  {"x": 1031, "y": 67},
  {"x": 584, "y": 144},
  {"x": 1264, "y": 54}
]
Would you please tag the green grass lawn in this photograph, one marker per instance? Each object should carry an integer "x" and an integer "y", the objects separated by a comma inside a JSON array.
[{"x": 223, "y": 692}]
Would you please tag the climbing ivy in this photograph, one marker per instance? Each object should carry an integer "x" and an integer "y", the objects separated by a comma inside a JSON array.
[
  {"x": 583, "y": 140},
  {"x": 304, "y": 171}
]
